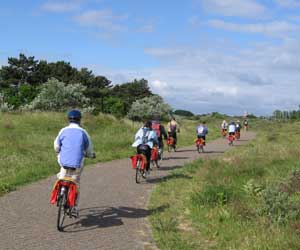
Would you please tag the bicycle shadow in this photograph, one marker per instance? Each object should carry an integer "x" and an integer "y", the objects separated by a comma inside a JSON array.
[
  {"x": 185, "y": 150},
  {"x": 168, "y": 177},
  {"x": 213, "y": 152},
  {"x": 102, "y": 217},
  {"x": 165, "y": 168},
  {"x": 175, "y": 158}
]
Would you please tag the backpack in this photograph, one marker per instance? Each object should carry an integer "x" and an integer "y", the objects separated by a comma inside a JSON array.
[
  {"x": 200, "y": 130},
  {"x": 156, "y": 128},
  {"x": 172, "y": 127},
  {"x": 145, "y": 136}
]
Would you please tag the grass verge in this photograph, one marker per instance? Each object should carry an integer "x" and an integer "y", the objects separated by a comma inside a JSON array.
[{"x": 246, "y": 200}]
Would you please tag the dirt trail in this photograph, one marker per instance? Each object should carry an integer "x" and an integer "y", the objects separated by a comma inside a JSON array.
[{"x": 113, "y": 208}]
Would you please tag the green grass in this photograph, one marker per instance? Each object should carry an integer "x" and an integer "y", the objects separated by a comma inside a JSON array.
[
  {"x": 248, "y": 199},
  {"x": 26, "y": 143}
]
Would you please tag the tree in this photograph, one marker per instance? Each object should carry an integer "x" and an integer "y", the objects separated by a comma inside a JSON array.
[
  {"x": 131, "y": 91},
  {"x": 19, "y": 71},
  {"x": 149, "y": 107},
  {"x": 183, "y": 113}
]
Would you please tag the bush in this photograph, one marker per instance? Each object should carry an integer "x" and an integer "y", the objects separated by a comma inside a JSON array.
[
  {"x": 148, "y": 107},
  {"x": 4, "y": 106},
  {"x": 213, "y": 195},
  {"x": 57, "y": 96},
  {"x": 282, "y": 202}
]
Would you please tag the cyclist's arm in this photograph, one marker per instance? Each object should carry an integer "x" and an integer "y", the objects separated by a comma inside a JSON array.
[
  {"x": 89, "y": 151},
  {"x": 177, "y": 127},
  {"x": 163, "y": 132},
  {"x": 57, "y": 143}
]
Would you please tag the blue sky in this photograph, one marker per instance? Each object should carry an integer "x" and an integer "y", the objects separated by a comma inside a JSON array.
[{"x": 228, "y": 56}]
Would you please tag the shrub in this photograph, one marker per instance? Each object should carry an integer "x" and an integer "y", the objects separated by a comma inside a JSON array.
[
  {"x": 4, "y": 106},
  {"x": 57, "y": 96},
  {"x": 282, "y": 202},
  {"x": 213, "y": 195},
  {"x": 148, "y": 107}
]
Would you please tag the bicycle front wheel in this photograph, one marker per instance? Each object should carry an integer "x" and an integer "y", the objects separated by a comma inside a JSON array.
[{"x": 61, "y": 211}]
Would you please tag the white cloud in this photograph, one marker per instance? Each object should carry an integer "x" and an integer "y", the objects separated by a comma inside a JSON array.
[
  {"x": 273, "y": 28},
  {"x": 239, "y": 8},
  {"x": 59, "y": 6},
  {"x": 289, "y": 3},
  {"x": 258, "y": 79},
  {"x": 104, "y": 19}
]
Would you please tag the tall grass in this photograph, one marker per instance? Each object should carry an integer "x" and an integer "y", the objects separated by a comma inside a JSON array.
[
  {"x": 247, "y": 200},
  {"x": 26, "y": 144}
]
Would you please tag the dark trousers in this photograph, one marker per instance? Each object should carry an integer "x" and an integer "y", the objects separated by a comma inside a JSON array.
[
  {"x": 145, "y": 150},
  {"x": 201, "y": 136}
]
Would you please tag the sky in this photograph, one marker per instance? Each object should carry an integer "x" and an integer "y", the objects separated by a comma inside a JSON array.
[{"x": 227, "y": 56}]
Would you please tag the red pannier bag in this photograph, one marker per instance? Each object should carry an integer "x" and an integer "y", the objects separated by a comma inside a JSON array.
[
  {"x": 170, "y": 141},
  {"x": 154, "y": 154},
  {"x": 71, "y": 195},
  {"x": 200, "y": 141},
  {"x": 137, "y": 157}
]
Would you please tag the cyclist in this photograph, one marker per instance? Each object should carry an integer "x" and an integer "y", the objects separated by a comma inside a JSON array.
[
  {"x": 231, "y": 128},
  {"x": 145, "y": 138},
  {"x": 224, "y": 126},
  {"x": 160, "y": 132},
  {"x": 173, "y": 128},
  {"x": 202, "y": 131},
  {"x": 246, "y": 124},
  {"x": 73, "y": 144},
  {"x": 238, "y": 127}
]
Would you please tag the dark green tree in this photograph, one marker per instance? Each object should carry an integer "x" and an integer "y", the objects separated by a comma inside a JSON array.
[
  {"x": 131, "y": 91},
  {"x": 183, "y": 113},
  {"x": 18, "y": 71}
]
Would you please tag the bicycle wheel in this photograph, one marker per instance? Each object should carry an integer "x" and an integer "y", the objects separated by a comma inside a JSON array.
[
  {"x": 160, "y": 155},
  {"x": 61, "y": 210},
  {"x": 138, "y": 172}
]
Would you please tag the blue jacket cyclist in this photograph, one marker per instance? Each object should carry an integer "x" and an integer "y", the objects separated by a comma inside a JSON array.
[
  {"x": 73, "y": 144},
  {"x": 144, "y": 140}
]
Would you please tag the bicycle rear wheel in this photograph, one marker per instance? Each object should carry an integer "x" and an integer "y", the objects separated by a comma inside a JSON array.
[
  {"x": 61, "y": 210},
  {"x": 138, "y": 172}
]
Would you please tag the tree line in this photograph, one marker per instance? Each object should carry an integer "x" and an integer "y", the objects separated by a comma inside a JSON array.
[
  {"x": 27, "y": 83},
  {"x": 286, "y": 114}
]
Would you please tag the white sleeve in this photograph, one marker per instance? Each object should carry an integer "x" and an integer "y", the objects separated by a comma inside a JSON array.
[
  {"x": 57, "y": 144},
  {"x": 90, "y": 149}
]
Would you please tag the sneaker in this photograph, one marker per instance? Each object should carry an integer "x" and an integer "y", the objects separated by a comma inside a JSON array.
[
  {"x": 144, "y": 175},
  {"x": 75, "y": 212}
]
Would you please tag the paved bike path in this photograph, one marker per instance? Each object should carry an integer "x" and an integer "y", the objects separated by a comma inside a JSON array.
[{"x": 113, "y": 208}]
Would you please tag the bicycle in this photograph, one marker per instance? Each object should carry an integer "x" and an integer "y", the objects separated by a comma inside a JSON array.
[
  {"x": 237, "y": 135},
  {"x": 224, "y": 132},
  {"x": 231, "y": 139},
  {"x": 200, "y": 142},
  {"x": 64, "y": 194},
  {"x": 138, "y": 162},
  {"x": 171, "y": 144}
]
